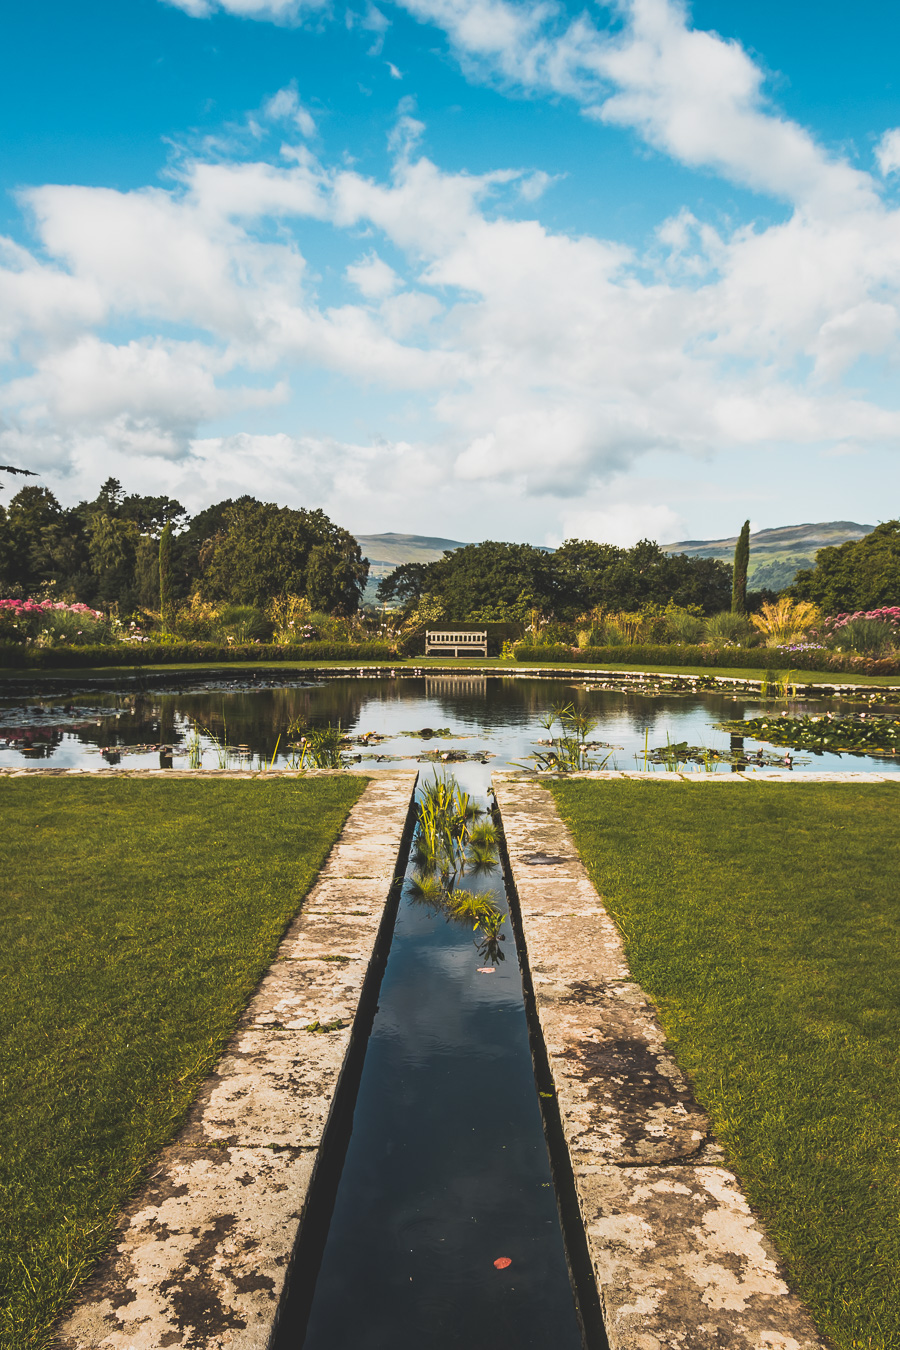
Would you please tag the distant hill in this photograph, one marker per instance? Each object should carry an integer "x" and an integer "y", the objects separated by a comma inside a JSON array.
[
  {"x": 776, "y": 556},
  {"x": 387, "y": 551}
]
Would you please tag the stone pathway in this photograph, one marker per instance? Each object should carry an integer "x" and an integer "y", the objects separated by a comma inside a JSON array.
[
  {"x": 680, "y": 1260},
  {"x": 201, "y": 1256}
]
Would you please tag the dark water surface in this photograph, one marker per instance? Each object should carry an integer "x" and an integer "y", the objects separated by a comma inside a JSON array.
[
  {"x": 237, "y": 722},
  {"x": 447, "y": 1168}
]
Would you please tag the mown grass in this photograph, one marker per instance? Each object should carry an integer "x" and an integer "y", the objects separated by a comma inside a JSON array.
[
  {"x": 764, "y": 920},
  {"x": 137, "y": 918}
]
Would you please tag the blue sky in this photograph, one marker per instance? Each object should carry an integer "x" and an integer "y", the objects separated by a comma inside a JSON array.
[{"x": 462, "y": 267}]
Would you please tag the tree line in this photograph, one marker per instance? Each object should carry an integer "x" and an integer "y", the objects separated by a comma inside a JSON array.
[
  {"x": 497, "y": 582},
  {"x": 106, "y": 552}
]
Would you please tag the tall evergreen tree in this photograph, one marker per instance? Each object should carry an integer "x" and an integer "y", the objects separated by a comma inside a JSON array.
[
  {"x": 741, "y": 562},
  {"x": 165, "y": 572}
]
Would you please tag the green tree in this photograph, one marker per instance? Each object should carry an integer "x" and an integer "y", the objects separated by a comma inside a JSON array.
[
  {"x": 861, "y": 574},
  {"x": 112, "y": 551},
  {"x": 165, "y": 573},
  {"x": 264, "y": 550},
  {"x": 739, "y": 576},
  {"x": 30, "y": 539},
  {"x": 406, "y": 584},
  {"x": 146, "y": 572}
]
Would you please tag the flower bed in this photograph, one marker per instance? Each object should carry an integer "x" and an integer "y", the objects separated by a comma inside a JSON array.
[{"x": 44, "y": 623}]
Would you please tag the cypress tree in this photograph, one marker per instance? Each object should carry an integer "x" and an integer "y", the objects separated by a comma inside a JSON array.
[
  {"x": 165, "y": 573},
  {"x": 739, "y": 580}
]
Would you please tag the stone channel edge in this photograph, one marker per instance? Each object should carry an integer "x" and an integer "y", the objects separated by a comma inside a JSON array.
[
  {"x": 201, "y": 1256},
  {"x": 679, "y": 1259}
]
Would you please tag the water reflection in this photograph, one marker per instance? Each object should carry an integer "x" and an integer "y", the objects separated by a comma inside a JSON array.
[
  {"x": 447, "y": 1169},
  {"x": 244, "y": 723}
]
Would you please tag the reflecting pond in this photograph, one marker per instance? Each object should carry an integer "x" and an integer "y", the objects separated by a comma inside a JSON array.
[{"x": 495, "y": 720}]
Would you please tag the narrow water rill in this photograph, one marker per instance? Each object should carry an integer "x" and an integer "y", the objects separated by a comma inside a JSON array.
[{"x": 444, "y": 1230}]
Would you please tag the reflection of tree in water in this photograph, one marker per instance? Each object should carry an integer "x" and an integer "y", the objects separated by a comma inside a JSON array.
[{"x": 32, "y": 742}]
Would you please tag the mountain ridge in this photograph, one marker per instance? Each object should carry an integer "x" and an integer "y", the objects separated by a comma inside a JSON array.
[{"x": 776, "y": 554}]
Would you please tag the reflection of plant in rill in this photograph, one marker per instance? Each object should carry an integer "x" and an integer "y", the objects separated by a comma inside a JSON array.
[
  {"x": 482, "y": 851},
  {"x": 445, "y": 842}
]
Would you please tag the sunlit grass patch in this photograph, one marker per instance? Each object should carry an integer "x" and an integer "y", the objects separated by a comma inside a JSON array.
[
  {"x": 137, "y": 918},
  {"x": 764, "y": 920}
]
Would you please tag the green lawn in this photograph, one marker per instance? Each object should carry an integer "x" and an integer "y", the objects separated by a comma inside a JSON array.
[
  {"x": 137, "y": 918},
  {"x": 764, "y": 920}
]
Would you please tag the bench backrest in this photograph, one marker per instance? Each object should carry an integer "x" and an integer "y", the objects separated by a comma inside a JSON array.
[{"x": 455, "y": 639}]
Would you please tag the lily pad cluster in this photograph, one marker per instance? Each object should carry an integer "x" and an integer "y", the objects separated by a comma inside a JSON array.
[{"x": 860, "y": 733}]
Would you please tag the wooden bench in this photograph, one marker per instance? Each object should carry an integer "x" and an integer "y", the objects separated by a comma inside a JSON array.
[{"x": 460, "y": 642}]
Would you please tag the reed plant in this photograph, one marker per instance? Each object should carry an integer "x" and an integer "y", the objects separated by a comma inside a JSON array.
[{"x": 569, "y": 750}]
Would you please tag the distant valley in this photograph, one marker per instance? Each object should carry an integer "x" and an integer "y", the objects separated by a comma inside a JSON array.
[
  {"x": 387, "y": 551},
  {"x": 776, "y": 556}
]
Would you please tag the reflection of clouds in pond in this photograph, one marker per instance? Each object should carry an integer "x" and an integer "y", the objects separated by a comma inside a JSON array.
[{"x": 500, "y": 715}]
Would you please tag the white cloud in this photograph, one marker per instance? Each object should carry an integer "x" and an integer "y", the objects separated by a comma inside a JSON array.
[
  {"x": 887, "y": 152},
  {"x": 373, "y": 277},
  {"x": 272, "y": 11},
  {"x": 285, "y": 106},
  {"x": 528, "y": 364},
  {"x": 623, "y": 524},
  {"x": 394, "y": 72}
]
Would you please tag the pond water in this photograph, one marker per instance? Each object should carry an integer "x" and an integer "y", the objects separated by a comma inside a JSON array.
[
  {"x": 446, "y": 1168},
  {"x": 244, "y": 723}
]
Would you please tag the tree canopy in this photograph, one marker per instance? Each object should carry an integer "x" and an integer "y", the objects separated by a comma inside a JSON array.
[
  {"x": 861, "y": 574},
  {"x": 243, "y": 551},
  {"x": 497, "y": 581}
]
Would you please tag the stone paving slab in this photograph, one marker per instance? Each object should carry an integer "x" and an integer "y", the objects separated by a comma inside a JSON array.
[
  {"x": 680, "y": 1261},
  {"x": 201, "y": 1256}
]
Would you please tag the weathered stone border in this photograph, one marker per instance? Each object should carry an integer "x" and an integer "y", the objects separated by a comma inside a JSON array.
[
  {"x": 201, "y": 1256},
  {"x": 679, "y": 1259}
]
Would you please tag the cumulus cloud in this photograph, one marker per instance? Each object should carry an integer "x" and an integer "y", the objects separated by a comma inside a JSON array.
[
  {"x": 887, "y": 151},
  {"x": 528, "y": 362},
  {"x": 272, "y": 11},
  {"x": 373, "y": 277},
  {"x": 622, "y": 523},
  {"x": 285, "y": 106}
]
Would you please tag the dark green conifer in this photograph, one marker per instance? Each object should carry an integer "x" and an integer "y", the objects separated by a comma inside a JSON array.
[
  {"x": 165, "y": 573},
  {"x": 741, "y": 562}
]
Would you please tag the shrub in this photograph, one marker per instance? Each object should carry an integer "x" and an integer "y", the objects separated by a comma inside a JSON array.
[
  {"x": 728, "y": 628},
  {"x": 683, "y": 626},
  {"x": 289, "y": 616},
  {"x": 244, "y": 623},
  {"x": 872, "y": 633},
  {"x": 46, "y": 623},
  {"x": 159, "y": 653},
  {"x": 725, "y": 658},
  {"x": 784, "y": 621}
]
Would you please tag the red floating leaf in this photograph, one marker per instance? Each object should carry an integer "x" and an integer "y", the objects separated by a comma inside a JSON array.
[{"x": 502, "y": 1262}]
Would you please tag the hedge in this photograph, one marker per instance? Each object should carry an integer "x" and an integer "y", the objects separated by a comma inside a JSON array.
[
  {"x": 174, "y": 653},
  {"x": 723, "y": 658}
]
